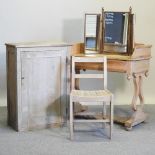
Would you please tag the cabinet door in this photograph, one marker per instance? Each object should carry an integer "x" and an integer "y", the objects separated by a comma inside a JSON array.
[{"x": 43, "y": 88}]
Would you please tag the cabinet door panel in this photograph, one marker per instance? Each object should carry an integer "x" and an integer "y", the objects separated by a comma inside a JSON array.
[{"x": 41, "y": 88}]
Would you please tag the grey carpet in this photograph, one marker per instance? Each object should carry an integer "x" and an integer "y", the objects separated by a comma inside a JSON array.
[{"x": 90, "y": 139}]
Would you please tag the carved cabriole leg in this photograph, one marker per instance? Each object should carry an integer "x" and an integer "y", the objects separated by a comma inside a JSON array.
[
  {"x": 136, "y": 92},
  {"x": 141, "y": 96},
  {"x": 139, "y": 116}
]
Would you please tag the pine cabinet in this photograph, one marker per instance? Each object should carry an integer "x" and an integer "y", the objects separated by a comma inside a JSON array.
[{"x": 37, "y": 84}]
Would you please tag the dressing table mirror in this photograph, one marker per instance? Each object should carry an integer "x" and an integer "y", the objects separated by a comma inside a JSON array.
[
  {"x": 117, "y": 32},
  {"x": 91, "y": 33}
]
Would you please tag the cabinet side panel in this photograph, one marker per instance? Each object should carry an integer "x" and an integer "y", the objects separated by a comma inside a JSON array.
[
  {"x": 68, "y": 80},
  {"x": 63, "y": 84},
  {"x": 12, "y": 87},
  {"x": 65, "y": 77}
]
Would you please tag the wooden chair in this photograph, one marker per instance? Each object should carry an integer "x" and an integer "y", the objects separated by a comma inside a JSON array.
[{"x": 90, "y": 97}]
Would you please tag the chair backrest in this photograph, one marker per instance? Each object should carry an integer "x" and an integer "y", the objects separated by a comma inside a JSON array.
[{"x": 89, "y": 59}]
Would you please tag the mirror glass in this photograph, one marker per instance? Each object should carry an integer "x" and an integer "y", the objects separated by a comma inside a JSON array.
[
  {"x": 115, "y": 25},
  {"x": 91, "y": 35}
]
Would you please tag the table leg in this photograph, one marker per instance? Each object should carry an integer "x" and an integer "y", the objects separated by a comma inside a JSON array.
[{"x": 139, "y": 115}]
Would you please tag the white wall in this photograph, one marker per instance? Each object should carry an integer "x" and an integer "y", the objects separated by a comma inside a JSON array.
[{"x": 36, "y": 20}]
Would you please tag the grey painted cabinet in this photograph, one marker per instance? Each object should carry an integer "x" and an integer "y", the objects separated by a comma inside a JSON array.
[{"x": 37, "y": 84}]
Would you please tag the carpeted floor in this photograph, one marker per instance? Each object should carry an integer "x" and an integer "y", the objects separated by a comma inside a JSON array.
[{"x": 90, "y": 139}]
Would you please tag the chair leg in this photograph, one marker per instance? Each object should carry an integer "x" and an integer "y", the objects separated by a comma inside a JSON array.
[
  {"x": 111, "y": 117},
  {"x": 71, "y": 119},
  {"x": 104, "y": 114}
]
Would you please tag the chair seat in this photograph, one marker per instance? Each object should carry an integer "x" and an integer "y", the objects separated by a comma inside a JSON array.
[{"x": 93, "y": 95}]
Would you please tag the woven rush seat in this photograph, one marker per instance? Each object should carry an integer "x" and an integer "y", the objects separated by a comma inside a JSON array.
[
  {"x": 88, "y": 93},
  {"x": 94, "y": 95}
]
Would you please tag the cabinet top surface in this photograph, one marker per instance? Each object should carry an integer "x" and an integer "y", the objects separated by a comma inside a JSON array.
[{"x": 38, "y": 44}]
